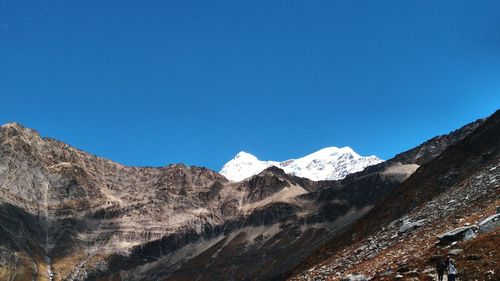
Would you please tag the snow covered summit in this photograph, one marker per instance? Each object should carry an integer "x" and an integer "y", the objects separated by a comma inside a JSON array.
[{"x": 331, "y": 163}]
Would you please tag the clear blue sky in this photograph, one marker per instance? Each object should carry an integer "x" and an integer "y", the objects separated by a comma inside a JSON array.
[{"x": 158, "y": 82}]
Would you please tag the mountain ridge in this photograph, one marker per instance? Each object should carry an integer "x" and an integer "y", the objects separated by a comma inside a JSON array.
[
  {"x": 88, "y": 218},
  {"x": 330, "y": 163}
]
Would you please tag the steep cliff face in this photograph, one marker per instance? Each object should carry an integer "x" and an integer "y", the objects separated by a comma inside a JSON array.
[{"x": 69, "y": 215}]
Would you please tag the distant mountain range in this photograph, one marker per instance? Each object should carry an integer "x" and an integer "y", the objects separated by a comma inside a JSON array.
[
  {"x": 331, "y": 163},
  {"x": 66, "y": 214}
]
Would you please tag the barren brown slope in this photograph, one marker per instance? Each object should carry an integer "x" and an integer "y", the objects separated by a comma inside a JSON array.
[{"x": 457, "y": 164}]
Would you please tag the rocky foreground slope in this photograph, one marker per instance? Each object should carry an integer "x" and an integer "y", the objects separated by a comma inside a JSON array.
[
  {"x": 449, "y": 206},
  {"x": 69, "y": 215}
]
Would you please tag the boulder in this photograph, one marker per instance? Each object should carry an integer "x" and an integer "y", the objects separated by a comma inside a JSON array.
[
  {"x": 436, "y": 258},
  {"x": 457, "y": 234},
  {"x": 403, "y": 268},
  {"x": 353, "y": 277},
  {"x": 474, "y": 257},
  {"x": 407, "y": 225},
  {"x": 412, "y": 273},
  {"x": 489, "y": 224},
  {"x": 455, "y": 252}
]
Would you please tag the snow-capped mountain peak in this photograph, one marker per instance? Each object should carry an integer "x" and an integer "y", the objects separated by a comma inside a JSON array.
[
  {"x": 244, "y": 165},
  {"x": 244, "y": 155},
  {"x": 330, "y": 163}
]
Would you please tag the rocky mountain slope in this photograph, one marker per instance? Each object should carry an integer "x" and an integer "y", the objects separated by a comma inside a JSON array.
[
  {"x": 331, "y": 163},
  {"x": 451, "y": 198},
  {"x": 69, "y": 215}
]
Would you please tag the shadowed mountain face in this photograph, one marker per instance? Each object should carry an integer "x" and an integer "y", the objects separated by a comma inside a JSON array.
[{"x": 69, "y": 215}]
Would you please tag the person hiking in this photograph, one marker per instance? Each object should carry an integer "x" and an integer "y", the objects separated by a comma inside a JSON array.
[
  {"x": 440, "y": 268},
  {"x": 452, "y": 270}
]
